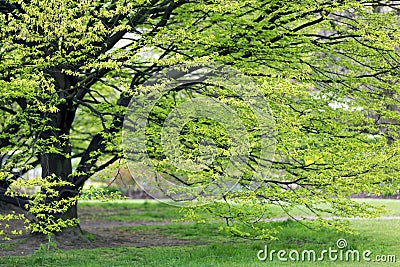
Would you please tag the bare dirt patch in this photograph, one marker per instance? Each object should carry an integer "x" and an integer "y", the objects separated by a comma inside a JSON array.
[{"x": 93, "y": 233}]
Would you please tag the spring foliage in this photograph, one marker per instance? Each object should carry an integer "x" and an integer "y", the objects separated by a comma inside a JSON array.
[{"x": 328, "y": 70}]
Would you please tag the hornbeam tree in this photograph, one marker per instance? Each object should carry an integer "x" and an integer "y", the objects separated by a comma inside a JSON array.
[{"x": 327, "y": 69}]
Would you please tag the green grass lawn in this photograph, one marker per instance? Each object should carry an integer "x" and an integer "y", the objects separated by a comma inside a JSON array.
[
  {"x": 130, "y": 210},
  {"x": 152, "y": 210},
  {"x": 381, "y": 237}
]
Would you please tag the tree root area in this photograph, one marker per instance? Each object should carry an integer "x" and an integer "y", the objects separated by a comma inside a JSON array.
[{"x": 90, "y": 234}]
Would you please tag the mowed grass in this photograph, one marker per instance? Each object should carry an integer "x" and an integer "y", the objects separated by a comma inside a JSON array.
[
  {"x": 129, "y": 210},
  {"x": 381, "y": 237},
  {"x": 154, "y": 211}
]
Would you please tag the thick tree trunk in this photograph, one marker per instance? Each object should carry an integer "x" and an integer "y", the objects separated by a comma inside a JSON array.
[{"x": 59, "y": 165}]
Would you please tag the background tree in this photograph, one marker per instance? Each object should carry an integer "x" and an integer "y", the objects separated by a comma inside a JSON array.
[{"x": 69, "y": 69}]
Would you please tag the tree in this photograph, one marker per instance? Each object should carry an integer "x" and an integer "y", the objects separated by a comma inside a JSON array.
[
  {"x": 323, "y": 66},
  {"x": 55, "y": 58}
]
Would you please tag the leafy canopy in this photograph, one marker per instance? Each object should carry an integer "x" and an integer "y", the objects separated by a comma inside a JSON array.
[{"x": 327, "y": 69}]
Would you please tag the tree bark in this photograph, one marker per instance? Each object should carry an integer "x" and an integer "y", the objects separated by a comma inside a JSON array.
[{"x": 59, "y": 164}]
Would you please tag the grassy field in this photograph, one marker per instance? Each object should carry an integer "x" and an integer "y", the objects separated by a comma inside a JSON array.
[{"x": 213, "y": 248}]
